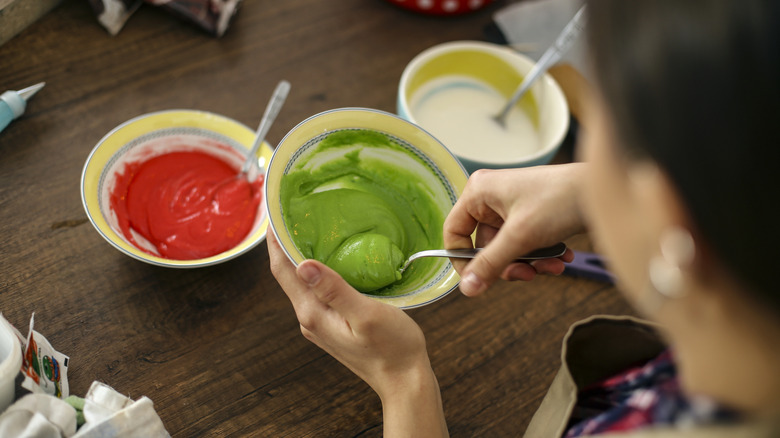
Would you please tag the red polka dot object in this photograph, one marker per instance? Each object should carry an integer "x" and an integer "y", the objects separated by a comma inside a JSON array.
[{"x": 442, "y": 7}]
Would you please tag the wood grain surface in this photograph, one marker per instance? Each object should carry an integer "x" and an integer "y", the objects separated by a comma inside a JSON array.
[{"x": 218, "y": 349}]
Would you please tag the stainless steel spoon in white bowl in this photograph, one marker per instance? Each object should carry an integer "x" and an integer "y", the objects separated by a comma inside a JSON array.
[{"x": 549, "y": 252}]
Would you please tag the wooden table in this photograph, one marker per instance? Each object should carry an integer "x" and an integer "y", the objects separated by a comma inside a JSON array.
[{"x": 218, "y": 349}]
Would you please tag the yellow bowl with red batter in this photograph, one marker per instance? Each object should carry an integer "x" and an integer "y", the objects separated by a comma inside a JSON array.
[{"x": 154, "y": 135}]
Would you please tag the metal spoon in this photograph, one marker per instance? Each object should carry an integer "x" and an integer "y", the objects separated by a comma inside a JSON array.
[
  {"x": 549, "y": 252},
  {"x": 271, "y": 111},
  {"x": 552, "y": 55}
]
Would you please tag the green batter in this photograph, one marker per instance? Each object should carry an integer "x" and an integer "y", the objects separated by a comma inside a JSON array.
[{"x": 360, "y": 214}]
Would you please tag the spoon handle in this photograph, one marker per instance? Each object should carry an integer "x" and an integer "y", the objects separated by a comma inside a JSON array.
[
  {"x": 553, "y": 54},
  {"x": 271, "y": 111},
  {"x": 549, "y": 252}
]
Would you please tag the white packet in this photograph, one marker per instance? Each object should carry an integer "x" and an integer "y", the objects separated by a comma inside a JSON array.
[{"x": 45, "y": 369}]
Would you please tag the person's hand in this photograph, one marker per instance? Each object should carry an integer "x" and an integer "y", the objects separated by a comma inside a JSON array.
[
  {"x": 378, "y": 342},
  {"x": 513, "y": 213}
]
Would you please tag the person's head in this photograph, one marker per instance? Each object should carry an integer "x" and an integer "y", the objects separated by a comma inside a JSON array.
[{"x": 683, "y": 149}]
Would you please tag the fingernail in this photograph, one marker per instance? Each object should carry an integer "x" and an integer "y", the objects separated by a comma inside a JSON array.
[
  {"x": 310, "y": 273},
  {"x": 471, "y": 284}
]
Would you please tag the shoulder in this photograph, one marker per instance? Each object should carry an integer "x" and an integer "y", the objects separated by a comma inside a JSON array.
[
  {"x": 593, "y": 349},
  {"x": 600, "y": 346}
]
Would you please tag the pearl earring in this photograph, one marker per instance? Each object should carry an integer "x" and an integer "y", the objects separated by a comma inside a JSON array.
[{"x": 677, "y": 250}]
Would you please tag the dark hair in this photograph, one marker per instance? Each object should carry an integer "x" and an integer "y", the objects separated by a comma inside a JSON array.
[{"x": 695, "y": 86}]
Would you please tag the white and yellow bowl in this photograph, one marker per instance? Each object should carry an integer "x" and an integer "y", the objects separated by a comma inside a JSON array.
[
  {"x": 453, "y": 65},
  {"x": 10, "y": 363},
  {"x": 147, "y": 136},
  {"x": 444, "y": 175}
]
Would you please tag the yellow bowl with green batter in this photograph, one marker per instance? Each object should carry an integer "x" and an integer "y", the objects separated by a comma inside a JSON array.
[{"x": 361, "y": 190}]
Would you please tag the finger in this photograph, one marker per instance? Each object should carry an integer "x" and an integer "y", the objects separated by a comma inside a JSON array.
[
  {"x": 309, "y": 311},
  {"x": 284, "y": 271},
  {"x": 473, "y": 208},
  {"x": 332, "y": 290},
  {"x": 458, "y": 227},
  {"x": 549, "y": 266},
  {"x": 485, "y": 234},
  {"x": 519, "y": 271},
  {"x": 527, "y": 272},
  {"x": 554, "y": 266},
  {"x": 490, "y": 263},
  {"x": 459, "y": 265}
]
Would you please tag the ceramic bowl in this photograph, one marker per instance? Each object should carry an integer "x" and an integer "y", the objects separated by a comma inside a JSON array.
[
  {"x": 441, "y": 173},
  {"x": 10, "y": 363},
  {"x": 497, "y": 69},
  {"x": 154, "y": 134}
]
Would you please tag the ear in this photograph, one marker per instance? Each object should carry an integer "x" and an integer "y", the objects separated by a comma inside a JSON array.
[
  {"x": 658, "y": 198},
  {"x": 664, "y": 208}
]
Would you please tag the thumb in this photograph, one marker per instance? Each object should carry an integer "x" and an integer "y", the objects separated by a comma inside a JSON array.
[
  {"x": 490, "y": 263},
  {"x": 330, "y": 288}
]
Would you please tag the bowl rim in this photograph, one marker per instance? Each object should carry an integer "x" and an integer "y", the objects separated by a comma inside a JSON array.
[
  {"x": 8, "y": 363},
  {"x": 401, "y": 301},
  {"x": 229, "y": 127},
  {"x": 513, "y": 58}
]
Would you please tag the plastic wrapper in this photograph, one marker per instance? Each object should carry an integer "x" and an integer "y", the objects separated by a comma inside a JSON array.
[
  {"x": 113, "y": 14},
  {"x": 213, "y": 16},
  {"x": 45, "y": 369}
]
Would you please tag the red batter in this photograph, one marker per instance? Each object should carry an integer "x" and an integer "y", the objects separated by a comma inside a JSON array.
[{"x": 189, "y": 205}]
